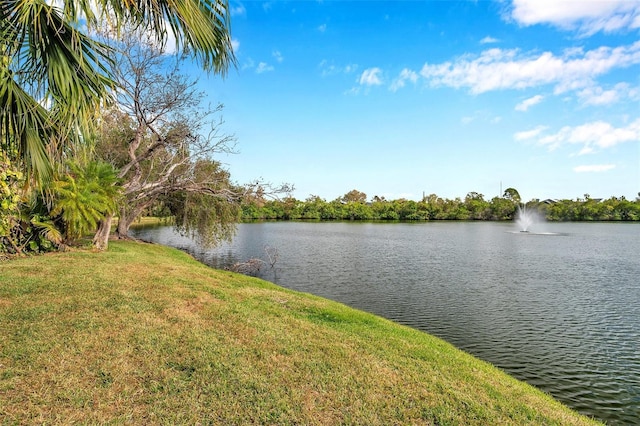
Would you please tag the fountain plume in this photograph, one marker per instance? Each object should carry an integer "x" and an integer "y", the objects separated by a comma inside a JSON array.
[{"x": 527, "y": 219}]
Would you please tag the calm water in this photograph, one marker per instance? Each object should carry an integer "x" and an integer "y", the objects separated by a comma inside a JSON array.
[{"x": 559, "y": 309}]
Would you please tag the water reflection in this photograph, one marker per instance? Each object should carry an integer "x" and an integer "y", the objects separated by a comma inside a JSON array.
[{"x": 561, "y": 312}]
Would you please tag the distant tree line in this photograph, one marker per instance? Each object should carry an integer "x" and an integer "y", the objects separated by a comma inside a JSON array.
[{"x": 355, "y": 205}]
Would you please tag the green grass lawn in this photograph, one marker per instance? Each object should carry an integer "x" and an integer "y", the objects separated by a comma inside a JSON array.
[{"x": 144, "y": 334}]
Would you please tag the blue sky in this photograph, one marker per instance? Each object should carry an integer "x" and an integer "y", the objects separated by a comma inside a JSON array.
[{"x": 401, "y": 98}]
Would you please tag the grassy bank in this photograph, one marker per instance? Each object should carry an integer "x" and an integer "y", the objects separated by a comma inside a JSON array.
[{"x": 145, "y": 334}]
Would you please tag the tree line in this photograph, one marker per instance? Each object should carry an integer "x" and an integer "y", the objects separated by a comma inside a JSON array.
[{"x": 355, "y": 205}]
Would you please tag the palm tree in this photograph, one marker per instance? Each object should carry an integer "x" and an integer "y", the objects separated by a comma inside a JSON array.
[
  {"x": 54, "y": 75},
  {"x": 83, "y": 196}
]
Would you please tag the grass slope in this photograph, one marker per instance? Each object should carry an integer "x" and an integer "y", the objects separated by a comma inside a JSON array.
[{"x": 145, "y": 334}]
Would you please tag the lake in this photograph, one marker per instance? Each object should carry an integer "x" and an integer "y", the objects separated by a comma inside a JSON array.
[{"x": 558, "y": 307}]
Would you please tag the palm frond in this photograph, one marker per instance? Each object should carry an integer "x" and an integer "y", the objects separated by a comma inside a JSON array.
[
  {"x": 201, "y": 27},
  {"x": 48, "y": 230},
  {"x": 52, "y": 79},
  {"x": 24, "y": 125},
  {"x": 53, "y": 76}
]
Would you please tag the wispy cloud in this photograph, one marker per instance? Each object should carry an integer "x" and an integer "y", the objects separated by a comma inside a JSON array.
[
  {"x": 529, "y": 134},
  {"x": 237, "y": 9},
  {"x": 263, "y": 67},
  {"x": 587, "y": 17},
  {"x": 248, "y": 63},
  {"x": 498, "y": 69},
  {"x": 322, "y": 28},
  {"x": 405, "y": 75},
  {"x": 277, "y": 56},
  {"x": 371, "y": 77},
  {"x": 594, "y": 168},
  {"x": 528, "y": 103},
  {"x": 328, "y": 68},
  {"x": 489, "y": 40}
]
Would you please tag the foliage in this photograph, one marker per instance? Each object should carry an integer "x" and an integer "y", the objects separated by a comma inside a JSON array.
[
  {"x": 10, "y": 179},
  {"x": 589, "y": 209},
  {"x": 353, "y": 206},
  {"x": 25, "y": 224},
  {"x": 78, "y": 199},
  {"x": 354, "y": 196},
  {"x": 54, "y": 76},
  {"x": 512, "y": 194},
  {"x": 83, "y": 196},
  {"x": 206, "y": 216}
]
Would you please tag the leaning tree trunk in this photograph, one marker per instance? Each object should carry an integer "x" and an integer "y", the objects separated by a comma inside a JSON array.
[
  {"x": 101, "y": 238},
  {"x": 127, "y": 217},
  {"x": 124, "y": 222}
]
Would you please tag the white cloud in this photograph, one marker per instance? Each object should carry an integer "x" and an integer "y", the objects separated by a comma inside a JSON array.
[
  {"x": 237, "y": 10},
  {"x": 598, "y": 96},
  {"x": 235, "y": 44},
  {"x": 489, "y": 40},
  {"x": 277, "y": 56},
  {"x": 263, "y": 67},
  {"x": 405, "y": 75},
  {"x": 587, "y": 16},
  {"x": 528, "y": 103},
  {"x": 497, "y": 69},
  {"x": 322, "y": 28},
  {"x": 248, "y": 64},
  {"x": 595, "y": 95},
  {"x": 371, "y": 77},
  {"x": 529, "y": 134},
  {"x": 328, "y": 68},
  {"x": 594, "y": 168},
  {"x": 594, "y": 136}
]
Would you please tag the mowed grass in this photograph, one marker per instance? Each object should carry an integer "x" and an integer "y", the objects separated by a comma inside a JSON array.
[{"x": 144, "y": 334}]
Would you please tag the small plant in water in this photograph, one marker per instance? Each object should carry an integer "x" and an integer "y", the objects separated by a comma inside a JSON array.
[
  {"x": 253, "y": 266},
  {"x": 272, "y": 254}
]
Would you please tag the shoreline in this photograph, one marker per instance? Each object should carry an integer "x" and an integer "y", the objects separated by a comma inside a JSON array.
[{"x": 147, "y": 333}]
